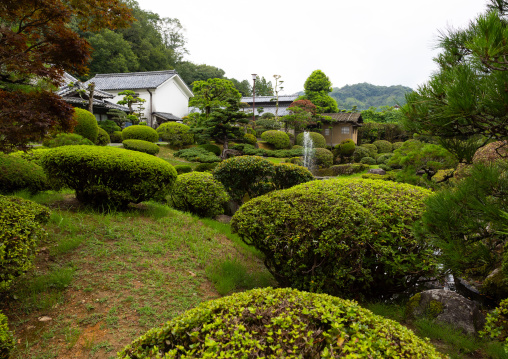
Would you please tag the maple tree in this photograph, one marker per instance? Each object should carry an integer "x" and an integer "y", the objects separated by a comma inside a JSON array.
[{"x": 37, "y": 44}]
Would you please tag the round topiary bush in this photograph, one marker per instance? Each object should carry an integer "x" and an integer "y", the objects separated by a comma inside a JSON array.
[
  {"x": 280, "y": 323},
  {"x": 323, "y": 157},
  {"x": 288, "y": 175},
  {"x": 102, "y": 138},
  {"x": 368, "y": 161},
  {"x": 86, "y": 124},
  {"x": 141, "y": 146},
  {"x": 21, "y": 232},
  {"x": 7, "y": 342},
  {"x": 180, "y": 169},
  {"x": 318, "y": 140},
  {"x": 116, "y": 137},
  {"x": 397, "y": 145},
  {"x": 17, "y": 174},
  {"x": 346, "y": 148},
  {"x": 371, "y": 148},
  {"x": 109, "y": 176},
  {"x": 34, "y": 155},
  {"x": 109, "y": 126},
  {"x": 176, "y": 134},
  {"x": 245, "y": 175},
  {"x": 268, "y": 123},
  {"x": 295, "y": 160},
  {"x": 360, "y": 152},
  {"x": 199, "y": 193},
  {"x": 206, "y": 167},
  {"x": 66, "y": 139},
  {"x": 212, "y": 148},
  {"x": 279, "y": 139},
  {"x": 383, "y": 146},
  {"x": 347, "y": 237},
  {"x": 383, "y": 158},
  {"x": 251, "y": 139},
  {"x": 139, "y": 132}
]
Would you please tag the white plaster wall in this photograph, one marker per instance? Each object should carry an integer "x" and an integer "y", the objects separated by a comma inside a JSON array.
[{"x": 169, "y": 97}]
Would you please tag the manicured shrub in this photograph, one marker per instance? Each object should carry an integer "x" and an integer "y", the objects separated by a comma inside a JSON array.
[
  {"x": 368, "y": 161},
  {"x": 250, "y": 150},
  {"x": 396, "y": 145},
  {"x": 18, "y": 174},
  {"x": 109, "y": 126},
  {"x": 67, "y": 139},
  {"x": 20, "y": 221},
  {"x": 180, "y": 169},
  {"x": 205, "y": 167},
  {"x": 176, "y": 134},
  {"x": 373, "y": 176},
  {"x": 197, "y": 154},
  {"x": 250, "y": 139},
  {"x": 295, "y": 160},
  {"x": 86, "y": 124},
  {"x": 346, "y": 148},
  {"x": 116, "y": 137},
  {"x": 386, "y": 167},
  {"x": 297, "y": 147},
  {"x": 102, "y": 138},
  {"x": 280, "y": 323},
  {"x": 141, "y": 146},
  {"x": 318, "y": 140},
  {"x": 245, "y": 175},
  {"x": 138, "y": 132},
  {"x": 323, "y": 157},
  {"x": 347, "y": 237},
  {"x": 251, "y": 131},
  {"x": 279, "y": 139},
  {"x": 383, "y": 158},
  {"x": 360, "y": 152},
  {"x": 342, "y": 170},
  {"x": 7, "y": 342},
  {"x": 212, "y": 148},
  {"x": 108, "y": 176},
  {"x": 199, "y": 193},
  {"x": 288, "y": 175},
  {"x": 268, "y": 124},
  {"x": 383, "y": 146},
  {"x": 371, "y": 148},
  {"x": 34, "y": 155}
]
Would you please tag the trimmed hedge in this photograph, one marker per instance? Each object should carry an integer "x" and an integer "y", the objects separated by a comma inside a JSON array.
[
  {"x": 397, "y": 145},
  {"x": 197, "y": 154},
  {"x": 342, "y": 170},
  {"x": 279, "y": 139},
  {"x": 250, "y": 139},
  {"x": 371, "y": 148},
  {"x": 202, "y": 167},
  {"x": 288, "y": 175},
  {"x": 109, "y": 126},
  {"x": 268, "y": 123},
  {"x": 383, "y": 158},
  {"x": 280, "y": 323},
  {"x": 199, "y": 193},
  {"x": 347, "y": 237},
  {"x": 323, "y": 157},
  {"x": 346, "y": 148},
  {"x": 7, "y": 342},
  {"x": 140, "y": 132},
  {"x": 141, "y": 146},
  {"x": 360, "y": 152},
  {"x": 108, "y": 176},
  {"x": 102, "y": 138},
  {"x": 66, "y": 139},
  {"x": 20, "y": 221},
  {"x": 116, "y": 137},
  {"x": 180, "y": 169},
  {"x": 86, "y": 124},
  {"x": 212, "y": 148},
  {"x": 318, "y": 140},
  {"x": 17, "y": 174},
  {"x": 177, "y": 134},
  {"x": 368, "y": 161},
  {"x": 383, "y": 146},
  {"x": 34, "y": 155}
]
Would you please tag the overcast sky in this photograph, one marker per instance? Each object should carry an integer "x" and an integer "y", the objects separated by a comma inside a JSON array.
[{"x": 390, "y": 42}]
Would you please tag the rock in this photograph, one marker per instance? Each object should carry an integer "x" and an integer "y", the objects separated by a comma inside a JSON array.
[
  {"x": 45, "y": 319},
  {"x": 377, "y": 171},
  {"x": 222, "y": 218},
  {"x": 447, "y": 307}
]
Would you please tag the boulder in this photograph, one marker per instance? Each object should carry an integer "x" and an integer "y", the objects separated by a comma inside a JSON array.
[
  {"x": 447, "y": 307},
  {"x": 377, "y": 171}
]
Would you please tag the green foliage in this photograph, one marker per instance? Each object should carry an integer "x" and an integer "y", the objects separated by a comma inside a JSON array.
[
  {"x": 322, "y": 157},
  {"x": 346, "y": 148},
  {"x": 384, "y": 114},
  {"x": 116, "y": 137},
  {"x": 288, "y": 175},
  {"x": 383, "y": 158},
  {"x": 137, "y": 132},
  {"x": 7, "y": 342},
  {"x": 199, "y": 193},
  {"x": 17, "y": 174},
  {"x": 383, "y": 146},
  {"x": 324, "y": 103},
  {"x": 108, "y": 176},
  {"x": 213, "y": 94},
  {"x": 34, "y": 155},
  {"x": 197, "y": 154},
  {"x": 177, "y": 134},
  {"x": 318, "y": 140},
  {"x": 204, "y": 167},
  {"x": 67, "y": 139},
  {"x": 496, "y": 326},
  {"x": 268, "y": 123},
  {"x": 368, "y": 161},
  {"x": 86, "y": 124},
  {"x": 366, "y": 96},
  {"x": 371, "y": 148},
  {"x": 250, "y": 139},
  {"x": 373, "y": 176},
  {"x": 360, "y": 152},
  {"x": 183, "y": 169},
  {"x": 102, "y": 138},
  {"x": 211, "y": 148},
  {"x": 20, "y": 221},
  {"x": 391, "y": 132},
  {"x": 317, "y": 82},
  {"x": 109, "y": 126},
  {"x": 342, "y": 170},
  {"x": 279, "y": 139},
  {"x": 339, "y": 236},
  {"x": 141, "y": 146},
  {"x": 300, "y": 325},
  {"x": 397, "y": 145},
  {"x": 317, "y": 86},
  {"x": 245, "y": 175}
]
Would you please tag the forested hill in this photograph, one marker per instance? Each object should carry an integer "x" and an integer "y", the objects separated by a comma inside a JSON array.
[{"x": 365, "y": 95}]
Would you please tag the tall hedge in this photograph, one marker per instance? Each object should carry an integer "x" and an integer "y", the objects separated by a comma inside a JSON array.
[
  {"x": 279, "y": 139},
  {"x": 17, "y": 174},
  {"x": 318, "y": 140},
  {"x": 176, "y": 134},
  {"x": 108, "y": 176},
  {"x": 140, "y": 132},
  {"x": 280, "y": 323},
  {"x": 340, "y": 236},
  {"x": 86, "y": 124}
]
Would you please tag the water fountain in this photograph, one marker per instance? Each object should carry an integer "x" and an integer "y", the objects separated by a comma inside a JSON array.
[{"x": 307, "y": 150}]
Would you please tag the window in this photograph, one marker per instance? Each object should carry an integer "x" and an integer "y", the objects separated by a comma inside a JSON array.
[
  {"x": 345, "y": 130},
  {"x": 327, "y": 132}
]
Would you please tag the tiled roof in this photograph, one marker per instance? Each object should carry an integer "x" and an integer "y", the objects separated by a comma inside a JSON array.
[
  {"x": 270, "y": 99},
  {"x": 354, "y": 117},
  {"x": 167, "y": 116},
  {"x": 96, "y": 102},
  {"x": 131, "y": 80}
]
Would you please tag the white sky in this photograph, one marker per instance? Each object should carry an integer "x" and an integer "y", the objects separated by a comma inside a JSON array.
[{"x": 390, "y": 42}]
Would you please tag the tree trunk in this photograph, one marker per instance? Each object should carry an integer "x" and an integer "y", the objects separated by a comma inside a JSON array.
[{"x": 91, "y": 88}]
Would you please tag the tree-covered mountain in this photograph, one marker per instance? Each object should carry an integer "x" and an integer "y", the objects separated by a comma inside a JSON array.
[{"x": 365, "y": 95}]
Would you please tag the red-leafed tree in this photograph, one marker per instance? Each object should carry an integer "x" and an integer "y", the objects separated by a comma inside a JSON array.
[
  {"x": 37, "y": 44},
  {"x": 305, "y": 105}
]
